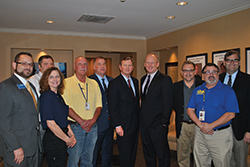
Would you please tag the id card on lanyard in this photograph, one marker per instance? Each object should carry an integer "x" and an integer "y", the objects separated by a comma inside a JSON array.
[
  {"x": 202, "y": 112},
  {"x": 87, "y": 107}
]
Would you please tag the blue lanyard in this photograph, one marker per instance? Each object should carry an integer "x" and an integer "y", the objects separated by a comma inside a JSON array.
[{"x": 85, "y": 97}]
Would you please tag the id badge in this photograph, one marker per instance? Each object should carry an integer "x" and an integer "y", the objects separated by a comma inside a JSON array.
[
  {"x": 87, "y": 106},
  {"x": 202, "y": 115}
]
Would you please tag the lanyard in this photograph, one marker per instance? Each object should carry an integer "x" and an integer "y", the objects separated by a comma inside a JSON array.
[
  {"x": 203, "y": 99},
  {"x": 85, "y": 97}
]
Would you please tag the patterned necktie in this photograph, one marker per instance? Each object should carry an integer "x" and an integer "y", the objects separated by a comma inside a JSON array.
[
  {"x": 145, "y": 91},
  {"x": 105, "y": 86},
  {"x": 31, "y": 93},
  {"x": 229, "y": 81},
  {"x": 129, "y": 85}
]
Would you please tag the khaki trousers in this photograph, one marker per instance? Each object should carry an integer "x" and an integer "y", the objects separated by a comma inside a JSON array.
[
  {"x": 217, "y": 147},
  {"x": 185, "y": 144},
  {"x": 240, "y": 152}
]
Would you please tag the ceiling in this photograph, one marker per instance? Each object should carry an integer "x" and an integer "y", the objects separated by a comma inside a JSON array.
[{"x": 137, "y": 19}]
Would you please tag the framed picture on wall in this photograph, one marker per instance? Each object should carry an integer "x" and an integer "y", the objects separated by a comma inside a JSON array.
[
  {"x": 200, "y": 60},
  {"x": 218, "y": 58},
  {"x": 171, "y": 69},
  {"x": 61, "y": 65},
  {"x": 248, "y": 60}
]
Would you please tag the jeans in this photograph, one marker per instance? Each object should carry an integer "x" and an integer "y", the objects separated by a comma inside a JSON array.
[{"x": 84, "y": 148}]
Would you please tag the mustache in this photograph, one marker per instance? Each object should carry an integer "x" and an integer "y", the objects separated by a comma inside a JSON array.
[{"x": 211, "y": 77}]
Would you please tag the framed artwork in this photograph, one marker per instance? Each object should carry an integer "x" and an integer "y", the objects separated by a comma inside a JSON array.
[
  {"x": 248, "y": 60},
  {"x": 171, "y": 69},
  {"x": 61, "y": 65},
  {"x": 200, "y": 60},
  {"x": 218, "y": 58}
]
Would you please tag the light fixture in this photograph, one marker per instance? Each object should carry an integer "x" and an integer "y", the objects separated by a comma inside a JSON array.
[
  {"x": 50, "y": 22},
  {"x": 181, "y": 3},
  {"x": 170, "y": 17}
]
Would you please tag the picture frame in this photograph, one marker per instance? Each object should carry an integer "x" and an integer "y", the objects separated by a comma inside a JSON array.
[
  {"x": 247, "y": 60},
  {"x": 171, "y": 69},
  {"x": 61, "y": 65},
  {"x": 200, "y": 60},
  {"x": 218, "y": 58}
]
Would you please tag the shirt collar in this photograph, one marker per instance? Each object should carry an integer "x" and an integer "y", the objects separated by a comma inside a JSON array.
[
  {"x": 232, "y": 75},
  {"x": 126, "y": 77},
  {"x": 23, "y": 80},
  {"x": 100, "y": 78},
  {"x": 152, "y": 75}
]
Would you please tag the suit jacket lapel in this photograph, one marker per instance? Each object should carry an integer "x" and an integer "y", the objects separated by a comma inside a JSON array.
[
  {"x": 24, "y": 90},
  {"x": 98, "y": 81},
  {"x": 237, "y": 80},
  {"x": 125, "y": 86},
  {"x": 153, "y": 82}
]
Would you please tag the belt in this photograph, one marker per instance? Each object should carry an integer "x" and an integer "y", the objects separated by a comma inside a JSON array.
[
  {"x": 188, "y": 122},
  {"x": 74, "y": 123},
  {"x": 221, "y": 128}
]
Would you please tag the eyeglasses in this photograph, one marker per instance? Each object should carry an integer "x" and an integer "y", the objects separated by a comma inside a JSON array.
[
  {"x": 211, "y": 72},
  {"x": 192, "y": 70},
  {"x": 232, "y": 60},
  {"x": 25, "y": 64}
]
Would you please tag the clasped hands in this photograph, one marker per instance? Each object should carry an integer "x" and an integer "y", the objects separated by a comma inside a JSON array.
[
  {"x": 87, "y": 125},
  {"x": 206, "y": 128}
]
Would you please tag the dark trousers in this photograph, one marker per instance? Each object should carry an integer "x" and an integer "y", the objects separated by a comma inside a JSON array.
[
  {"x": 127, "y": 146},
  {"x": 55, "y": 149},
  {"x": 105, "y": 143},
  {"x": 155, "y": 144}
]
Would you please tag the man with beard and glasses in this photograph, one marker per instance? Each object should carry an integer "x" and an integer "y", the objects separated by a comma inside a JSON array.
[
  {"x": 212, "y": 106},
  {"x": 185, "y": 127},
  {"x": 20, "y": 142}
]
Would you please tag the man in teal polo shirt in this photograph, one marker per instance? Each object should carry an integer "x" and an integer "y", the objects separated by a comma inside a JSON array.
[{"x": 212, "y": 106}]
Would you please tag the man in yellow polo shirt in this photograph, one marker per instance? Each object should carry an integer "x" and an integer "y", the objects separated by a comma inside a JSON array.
[{"x": 84, "y": 98}]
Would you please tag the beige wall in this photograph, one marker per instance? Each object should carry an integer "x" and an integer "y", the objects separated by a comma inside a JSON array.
[
  {"x": 232, "y": 31},
  {"x": 228, "y": 32},
  {"x": 77, "y": 44}
]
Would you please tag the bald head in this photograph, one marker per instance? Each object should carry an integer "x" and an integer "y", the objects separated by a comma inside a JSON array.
[{"x": 151, "y": 63}]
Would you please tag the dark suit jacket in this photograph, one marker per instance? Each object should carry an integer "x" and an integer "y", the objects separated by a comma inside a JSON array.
[
  {"x": 18, "y": 120},
  {"x": 124, "y": 110},
  {"x": 179, "y": 103},
  {"x": 103, "y": 121},
  {"x": 156, "y": 106},
  {"x": 241, "y": 86}
]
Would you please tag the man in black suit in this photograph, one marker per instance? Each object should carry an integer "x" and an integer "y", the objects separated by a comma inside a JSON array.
[
  {"x": 185, "y": 127},
  {"x": 123, "y": 100},
  {"x": 156, "y": 107},
  {"x": 105, "y": 131},
  {"x": 19, "y": 127},
  {"x": 240, "y": 82}
]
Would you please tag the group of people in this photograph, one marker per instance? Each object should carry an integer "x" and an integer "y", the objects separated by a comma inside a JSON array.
[
  {"x": 212, "y": 118},
  {"x": 47, "y": 114}
]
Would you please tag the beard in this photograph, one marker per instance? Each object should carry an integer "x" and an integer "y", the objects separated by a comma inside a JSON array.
[
  {"x": 22, "y": 74},
  {"x": 213, "y": 81}
]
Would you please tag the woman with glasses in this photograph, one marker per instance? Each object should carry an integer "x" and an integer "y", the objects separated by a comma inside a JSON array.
[{"x": 54, "y": 113}]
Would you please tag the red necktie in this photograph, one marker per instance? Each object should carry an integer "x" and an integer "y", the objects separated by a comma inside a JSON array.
[{"x": 129, "y": 85}]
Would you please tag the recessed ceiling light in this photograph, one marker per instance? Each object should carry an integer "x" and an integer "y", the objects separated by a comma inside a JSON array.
[
  {"x": 170, "y": 17},
  {"x": 181, "y": 3},
  {"x": 50, "y": 22}
]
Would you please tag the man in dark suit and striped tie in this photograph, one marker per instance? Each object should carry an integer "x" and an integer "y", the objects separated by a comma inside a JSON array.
[{"x": 105, "y": 131}]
